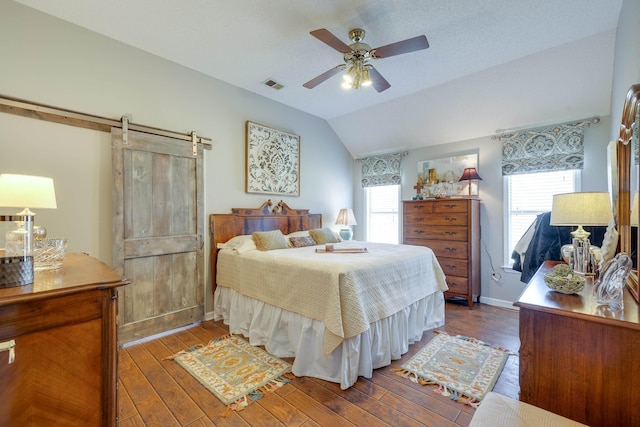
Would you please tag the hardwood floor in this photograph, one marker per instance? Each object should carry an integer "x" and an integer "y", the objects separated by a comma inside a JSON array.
[{"x": 157, "y": 392}]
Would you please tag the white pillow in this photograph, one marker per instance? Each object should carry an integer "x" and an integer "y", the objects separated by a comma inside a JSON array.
[{"x": 240, "y": 244}]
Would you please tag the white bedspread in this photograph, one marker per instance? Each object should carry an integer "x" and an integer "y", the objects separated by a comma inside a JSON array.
[{"x": 347, "y": 292}]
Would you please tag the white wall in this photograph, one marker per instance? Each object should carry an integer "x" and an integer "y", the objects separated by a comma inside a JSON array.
[{"x": 49, "y": 61}]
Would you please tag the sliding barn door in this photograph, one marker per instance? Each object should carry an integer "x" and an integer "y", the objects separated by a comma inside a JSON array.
[{"x": 158, "y": 233}]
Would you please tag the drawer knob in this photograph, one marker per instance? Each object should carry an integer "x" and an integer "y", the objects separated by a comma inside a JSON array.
[
  {"x": 418, "y": 206},
  {"x": 418, "y": 231},
  {"x": 450, "y": 219},
  {"x": 419, "y": 219},
  {"x": 450, "y": 233},
  {"x": 450, "y": 249},
  {"x": 450, "y": 267}
]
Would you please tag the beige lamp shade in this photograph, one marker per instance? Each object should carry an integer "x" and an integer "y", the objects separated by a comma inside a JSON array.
[
  {"x": 589, "y": 208},
  {"x": 634, "y": 210},
  {"x": 346, "y": 217},
  {"x": 25, "y": 191}
]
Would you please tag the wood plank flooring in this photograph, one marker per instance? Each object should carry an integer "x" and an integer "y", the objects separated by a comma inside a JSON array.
[{"x": 153, "y": 391}]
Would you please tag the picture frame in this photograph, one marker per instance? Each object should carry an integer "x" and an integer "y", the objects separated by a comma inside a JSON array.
[
  {"x": 272, "y": 161},
  {"x": 441, "y": 177}
]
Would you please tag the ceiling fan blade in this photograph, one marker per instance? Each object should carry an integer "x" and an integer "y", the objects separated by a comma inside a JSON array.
[
  {"x": 377, "y": 81},
  {"x": 405, "y": 46},
  {"x": 326, "y": 37},
  {"x": 322, "y": 77}
]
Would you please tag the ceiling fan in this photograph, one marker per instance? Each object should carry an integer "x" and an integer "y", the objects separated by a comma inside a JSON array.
[{"x": 357, "y": 56}]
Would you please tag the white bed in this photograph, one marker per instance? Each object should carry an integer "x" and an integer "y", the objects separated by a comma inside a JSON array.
[{"x": 357, "y": 327}]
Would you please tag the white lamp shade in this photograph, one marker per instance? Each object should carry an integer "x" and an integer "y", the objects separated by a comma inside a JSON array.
[
  {"x": 346, "y": 217},
  {"x": 634, "y": 210},
  {"x": 589, "y": 208},
  {"x": 25, "y": 191}
]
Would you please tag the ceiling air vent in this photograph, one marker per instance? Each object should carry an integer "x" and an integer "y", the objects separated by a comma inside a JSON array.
[{"x": 273, "y": 84}]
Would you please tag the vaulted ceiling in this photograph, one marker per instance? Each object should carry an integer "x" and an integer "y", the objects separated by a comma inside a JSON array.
[{"x": 491, "y": 64}]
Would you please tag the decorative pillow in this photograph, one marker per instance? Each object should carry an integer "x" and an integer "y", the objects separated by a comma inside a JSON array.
[
  {"x": 324, "y": 235},
  {"x": 240, "y": 244},
  {"x": 270, "y": 240},
  {"x": 301, "y": 241},
  {"x": 298, "y": 233}
]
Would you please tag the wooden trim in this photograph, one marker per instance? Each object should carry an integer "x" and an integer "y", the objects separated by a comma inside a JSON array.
[
  {"x": 625, "y": 186},
  {"x": 73, "y": 118}
]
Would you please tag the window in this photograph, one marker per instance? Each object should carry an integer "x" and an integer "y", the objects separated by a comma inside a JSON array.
[
  {"x": 527, "y": 196},
  {"x": 381, "y": 204}
]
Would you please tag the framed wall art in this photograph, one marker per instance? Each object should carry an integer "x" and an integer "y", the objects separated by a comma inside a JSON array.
[
  {"x": 442, "y": 176},
  {"x": 272, "y": 161}
]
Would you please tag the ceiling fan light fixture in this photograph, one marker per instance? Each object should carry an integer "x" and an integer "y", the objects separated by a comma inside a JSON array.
[
  {"x": 351, "y": 74},
  {"x": 366, "y": 78},
  {"x": 357, "y": 55},
  {"x": 356, "y": 76}
]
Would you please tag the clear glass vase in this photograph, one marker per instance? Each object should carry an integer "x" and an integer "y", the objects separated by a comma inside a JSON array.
[{"x": 609, "y": 288}]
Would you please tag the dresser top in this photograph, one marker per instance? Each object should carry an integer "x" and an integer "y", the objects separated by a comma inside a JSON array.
[
  {"x": 538, "y": 296},
  {"x": 79, "y": 272}
]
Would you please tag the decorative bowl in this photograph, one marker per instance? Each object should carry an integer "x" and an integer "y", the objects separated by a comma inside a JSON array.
[{"x": 564, "y": 280}]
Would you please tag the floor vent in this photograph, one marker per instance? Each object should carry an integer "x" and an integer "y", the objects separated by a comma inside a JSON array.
[{"x": 273, "y": 84}]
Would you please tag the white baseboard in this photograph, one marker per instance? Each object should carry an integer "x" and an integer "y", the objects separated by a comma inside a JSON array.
[
  {"x": 207, "y": 316},
  {"x": 498, "y": 303},
  {"x": 160, "y": 335}
]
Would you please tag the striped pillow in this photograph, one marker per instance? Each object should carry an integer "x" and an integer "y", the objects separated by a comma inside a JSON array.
[{"x": 301, "y": 241}]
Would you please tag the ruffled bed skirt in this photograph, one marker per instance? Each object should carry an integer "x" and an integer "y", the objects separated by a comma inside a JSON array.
[{"x": 288, "y": 334}]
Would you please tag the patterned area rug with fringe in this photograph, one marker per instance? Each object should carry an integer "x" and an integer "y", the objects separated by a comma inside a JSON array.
[
  {"x": 233, "y": 370},
  {"x": 464, "y": 369}
]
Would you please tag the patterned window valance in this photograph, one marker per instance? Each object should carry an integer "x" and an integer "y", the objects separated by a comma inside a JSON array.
[
  {"x": 545, "y": 149},
  {"x": 381, "y": 170}
]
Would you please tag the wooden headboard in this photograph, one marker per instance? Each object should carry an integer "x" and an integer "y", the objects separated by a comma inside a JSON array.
[{"x": 267, "y": 217}]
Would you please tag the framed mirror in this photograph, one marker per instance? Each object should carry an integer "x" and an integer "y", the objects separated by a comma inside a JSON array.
[{"x": 627, "y": 197}]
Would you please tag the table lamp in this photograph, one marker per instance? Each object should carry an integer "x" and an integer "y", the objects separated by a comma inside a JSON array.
[
  {"x": 470, "y": 174},
  {"x": 346, "y": 219},
  {"x": 581, "y": 209},
  {"x": 25, "y": 191}
]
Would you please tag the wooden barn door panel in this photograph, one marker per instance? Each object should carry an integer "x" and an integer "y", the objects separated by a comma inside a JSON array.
[{"x": 158, "y": 231}]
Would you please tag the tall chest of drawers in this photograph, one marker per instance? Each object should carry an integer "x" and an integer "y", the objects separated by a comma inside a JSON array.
[{"x": 451, "y": 228}]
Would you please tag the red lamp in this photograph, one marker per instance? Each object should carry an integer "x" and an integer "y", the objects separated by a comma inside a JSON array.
[{"x": 470, "y": 174}]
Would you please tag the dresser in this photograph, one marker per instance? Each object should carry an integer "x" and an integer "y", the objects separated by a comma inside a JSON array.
[
  {"x": 451, "y": 228},
  {"x": 58, "y": 364},
  {"x": 578, "y": 359}
]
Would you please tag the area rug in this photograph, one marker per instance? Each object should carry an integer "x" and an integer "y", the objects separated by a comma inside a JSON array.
[
  {"x": 236, "y": 372},
  {"x": 464, "y": 369}
]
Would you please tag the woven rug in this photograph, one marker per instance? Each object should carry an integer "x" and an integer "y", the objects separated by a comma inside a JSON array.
[
  {"x": 465, "y": 369},
  {"x": 236, "y": 372}
]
